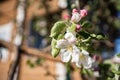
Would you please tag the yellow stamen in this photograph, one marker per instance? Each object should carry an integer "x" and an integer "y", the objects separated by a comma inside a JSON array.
[
  {"x": 70, "y": 48},
  {"x": 82, "y": 56}
]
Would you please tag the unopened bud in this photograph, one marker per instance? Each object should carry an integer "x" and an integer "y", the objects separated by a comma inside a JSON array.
[
  {"x": 83, "y": 13},
  {"x": 66, "y": 17},
  {"x": 78, "y": 27},
  {"x": 74, "y": 10}
]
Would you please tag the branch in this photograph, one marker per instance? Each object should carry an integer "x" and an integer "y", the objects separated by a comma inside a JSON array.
[
  {"x": 8, "y": 45},
  {"x": 38, "y": 53},
  {"x": 30, "y": 51}
]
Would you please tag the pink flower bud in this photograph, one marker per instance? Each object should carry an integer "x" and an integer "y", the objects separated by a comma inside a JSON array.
[
  {"x": 66, "y": 17},
  {"x": 75, "y": 16},
  {"x": 74, "y": 10},
  {"x": 83, "y": 12},
  {"x": 78, "y": 27},
  {"x": 96, "y": 57}
]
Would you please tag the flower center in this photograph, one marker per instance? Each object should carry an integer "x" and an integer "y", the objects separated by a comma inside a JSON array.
[
  {"x": 69, "y": 48},
  {"x": 82, "y": 56}
]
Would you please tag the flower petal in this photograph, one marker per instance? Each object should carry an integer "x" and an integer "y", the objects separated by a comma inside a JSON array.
[
  {"x": 85, "y": 52},
  {"x": 62, "y": 43},
  {"x": 75, "y": 54},
  {"x": 70, "y": 37},
  {"x": 78, "y": 64},
  {"x": 87, "y": 63},
  {"x": 65, "y": 55},
  {"x": 75, "y": 17}
]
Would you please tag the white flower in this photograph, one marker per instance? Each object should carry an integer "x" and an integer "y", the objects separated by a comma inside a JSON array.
[
  {"x": 75, "y": 16},
  {"x": 84, "y": 59},
  {"x": 62, "y": 43},
  {"x": 69, "y": 53},
  {"x": 67, "y": 46},
  {"x": 70, "y": 37}
]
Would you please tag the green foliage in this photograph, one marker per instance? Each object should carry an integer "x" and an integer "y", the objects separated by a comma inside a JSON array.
[
  {"x": 55, "y": 51},
  {"x": 72, "y": 27},
  {"x": 84, "y": 34},
  {"x": 86, "y": 24},
  {"x": 116, "y": 71},
  {"x": 58, "y": 27},
  {"x": 30, "y": 63},
  {"x": 39, "y": 61},
  {"x": 118, "y": 55}
]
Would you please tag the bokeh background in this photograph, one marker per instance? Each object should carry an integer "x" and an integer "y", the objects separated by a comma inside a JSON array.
[{"x": 25, "y": 43}]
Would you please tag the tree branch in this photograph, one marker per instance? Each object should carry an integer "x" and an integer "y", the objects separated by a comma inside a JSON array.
[{"x": 38, "y": 53}]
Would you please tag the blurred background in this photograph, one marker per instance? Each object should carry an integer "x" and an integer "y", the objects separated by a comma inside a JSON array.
[{"x": 25, "y": 43}]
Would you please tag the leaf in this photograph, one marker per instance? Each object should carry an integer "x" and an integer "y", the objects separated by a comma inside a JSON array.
[
  {"x": 55, "y": 52},
  {"x": 58, "y": 27},
  {"x": 93, "y": 35},
  {"x": 99, "y": 37},
  {"x": 118, "y": 55},
  {"x": 60, "y": 36},
  {"x": 72, "y": 28},
  {"x": 86, "y": 24},
  {"x": 53, "y": 43},
  {"x": 110, "y": 74},
  {"x": 84, "y": 34},
  {"x": 116, "y": 72}
]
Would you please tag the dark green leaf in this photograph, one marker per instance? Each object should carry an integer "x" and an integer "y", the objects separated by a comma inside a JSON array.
[
  {"x": 116, "y": 72},
  {"x": 86, "y": 24},
  {"x": 110, "y": 74},
  {"x": 84, "y": 34}
]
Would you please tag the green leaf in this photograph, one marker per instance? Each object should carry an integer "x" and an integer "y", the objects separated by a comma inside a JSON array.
[
  {"x": 84, "y": 34},
  {"x": 53, "y": 43},
  {"x": 31, "y": 65},
  {"x": 72, "y": 28},
  {"x": 55, "y": 52},
  {"x": 118, "y": 55},
  {"x": 93, "y": 35},
  {"x": 86, "y": 24},
  {"x": 60, "y": 36},
  {"x": 58, "y": 27},
  {"x": 116, "y": 72},
  {"x": 110, "y": 74},
  {"x": 100, "y": 37}
]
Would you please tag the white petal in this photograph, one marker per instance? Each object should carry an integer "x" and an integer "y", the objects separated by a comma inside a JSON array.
[
  {"x": 75, "y": 17},
  {"x": 75, "y": 54},
  {"x": 75, "y": 57},
  {"x": 78, "y": 64},
  {"x": 62, "y": 43},
  {"x": 65, "y": 55},
  {"x": 87, "y": 63},
  {"x": 85, "y": 52},
  {"x": 70, "y": 37}
]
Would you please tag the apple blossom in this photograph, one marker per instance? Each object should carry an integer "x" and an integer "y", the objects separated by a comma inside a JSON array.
[
  {"x": 84, "y": 59},
  {"x": 83, "y": 12},
  {"x": 68, "y": 50},
  {"x": 70, "y": 37},
  {"x": 78, "y": 27},
  {"x": 75, "y": 16},
  {"x": 66, "y": 17}
]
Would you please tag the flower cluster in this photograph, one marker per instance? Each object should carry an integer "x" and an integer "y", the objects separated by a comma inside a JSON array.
[{"x": 69, "y": 41}]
